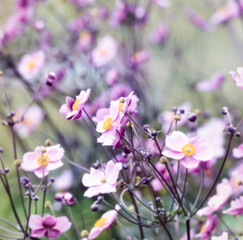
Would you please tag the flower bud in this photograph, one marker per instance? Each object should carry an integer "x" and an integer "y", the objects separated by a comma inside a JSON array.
[
  {"x": 48, "y": 142},
  {"x": 84, "y": 234},
  {"x": 94, "y": 208},
  {"x": 121, "y": 183},
  {"x": 231, "y": 129},
  {"x": 6, "y": 170},
  {"x": 48, "y": 204},
  {"x": 1, "y": 150},
  {"x": 126, "y": 149},
  {"x": 163, "y": 160},
  {"x": 69, "y": 199},
  {"x": 52, "y": 179},
  {"x": 177, "y": 117},
  {"x": 224, "y": 110},
  {"x": 50, "y": 79},
  {"x": 146, "y": 127},
  {"x": 100, "y": 199},
  {"x": 24, "y": 180},
  {"x": 17, "y": 163},
  {"x": 121, "y": 99},
  {"x": 144, "y": 180},
  {"x": 192, "y": 117},
  {"x": 154, "y": 133}
]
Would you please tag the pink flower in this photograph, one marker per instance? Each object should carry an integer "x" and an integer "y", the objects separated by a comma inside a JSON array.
[
  {"x": 63, "y": 181},
  {"x": 162, "y": 3},
  {"x": 140, "y": 57},
  {"x": 211, "y": 84},
  {"x": 160, "y": 34},
  {"x": 32, "y": 119},
  {"x": 43, "y": 160},
  {"x": 112, "y": 76},
  {"x": 226, "y": 12},
  {"x": 104, "y": 52},
  {"x": 189, "y": 150},
  {"x": 236, "y": 179},
  {"x": 31, "y": 64},
  {"x": 208, "y": 228},
  {"x": 217, "y": 201},
  {"x": 48, "y": 226},
  {"x": 236, "y": 207},
  {"x": 85, "y": 40},
  {"x": 73, "y": 109},
  {"x": 238, "y": 79},
  {"x": 103, "y": 223},
  {"x": 224, "y": 236},
  {"x": 238, "y": 152},
  {"x": 102, "y": 182}
]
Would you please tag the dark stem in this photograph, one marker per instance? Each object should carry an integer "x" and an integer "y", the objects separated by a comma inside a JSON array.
[{"x": 188, "y": 229}]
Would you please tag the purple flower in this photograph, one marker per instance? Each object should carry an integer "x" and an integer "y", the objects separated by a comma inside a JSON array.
[
  {"x": 236, "y": 207},
  {"x": 211, "y": 84},
  {"x": 208, "y": 228},
  {"x": 102, "y": 182},
  {"x": 48, "y": 226},
  {"x": 73, "y": 109},
  {"x": 189, "y": 150},
  {"x": 238, "y": 79}
]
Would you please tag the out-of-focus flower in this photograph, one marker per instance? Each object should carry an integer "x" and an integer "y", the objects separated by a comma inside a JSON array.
[
  {"x": 31, "y": 64},
  {"x": 236, "y": 179},
  {"x": 43, "y": 160},
  {"x": 231, "y": 10},
  {"x": 63, "y": 181},
  {"x": 160, "y": 34},
  {"x": 73, "y": 109},
  {"x": 208, "y": 228},
  {"x": 189, "y": 150},
  {"x": 85, "y": 40},
  {"x": 162, "y": 3},
  {"x": 198, "y": 20},
  {"x": 211, "y": 84},
  {"x": 238, "y": 151},
  {"x": 66, "y": 197},
  {"x": 32, "y": 119},
  {"x": 238, "y": 79},
  {"x": 217, "y": 201},
  {"x": 103, "y": 223},
  {"x": 213, "y": 132},
  {"x": 167, "y": 117},
  {"x": 102, "y": 182},
  {"x": 82, "y": 3},
  {"x": 139, "y": 57},
  {"x": 112, "y": 76},
  {"x": 104, "y": 52},
  {"x": 236, "y": 207},
  {"x": 48, "y": 226},
  {"x": 224, "y": 236}
]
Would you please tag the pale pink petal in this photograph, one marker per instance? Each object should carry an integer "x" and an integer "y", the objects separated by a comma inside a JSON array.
[
  {"x": 35, "y": 222},
  {"x": 52, "y": 233},
  {"x": 173, "y": 154},
  {"x": 94, "y": 233},
  {"x": 30, "y": 157},
  {"x": 107, "y": 188},
  {"x": 39, "y": 172},
  {"x": 38, "y": 232},
  {"x": 63, "y": 224},
  {"x": 55, "y": 153},
  {"x": 112, "y": 172},
  {"x": 204, "y": 152},
  {"x": 189, "y": 162},
  {"x": 64, "y": 110},
  {"x": 93, "y": 179},
  {"x": 53, "y": 165},
  {"x": 238, "y": 152},
  {"x": 30, "y": 166},
  {"x": 176, "y": 141},
  {"x": 92, "y": 191}
]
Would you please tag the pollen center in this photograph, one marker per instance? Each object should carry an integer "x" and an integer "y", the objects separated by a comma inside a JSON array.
[
  {"x": 121, "y": 106},
  {"x": 203, "y": 228},
  {"x": 100, "y": 222},
  {"x": 44, "y": 161},
  {"x": 75, "y": 105},
  {"x": 107, "y": 123},
  {"x": 103, "y": 180},
  {"x": 31, "y": 64},
  {"x": 188, "y": 149}
]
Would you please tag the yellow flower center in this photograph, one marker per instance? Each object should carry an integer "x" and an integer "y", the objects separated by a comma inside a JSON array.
[
  {"x": 43, "y": 160},
  {"x": 107, "y": 123},
  {"x": 102, "y": 52},
  {"x": 31, "y": 64},
  {"x": 75, "y": 105},
  {"x": 188, "y": 149},
  {"x": 103, "y": 180},
  {"x": 121, "y": 106},
  {"x": 100, "y": 222},
  {"x": 203, "y": 228}
]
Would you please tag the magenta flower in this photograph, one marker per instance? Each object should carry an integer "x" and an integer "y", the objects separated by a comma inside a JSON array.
[
  {"x": 208, "y": 228},
  {"x": 31, "y": 64},
  {"x": 189, "y": 150},
  {"x": 160, "y": 34},
  {"x": 102, "y": 182},
  {"x": 48, "y": 226},
  {"x": 236, "y": 207},
  {"x": 162, "y": 3},
  {"x": 211, "y": 84},
  {"x": 140, "y": 57},
  {"x": 103, "y": 223},
  {"x": 112, "y": 76},
  {"x": 104, "y": 52},
  {"x": 85, "y": 40},
  {"x": 43, "y": 160},
  {"x": 73, "y": 109},
  {"x": 238, "y": 151},
  {"x": 238, "y": 79}
]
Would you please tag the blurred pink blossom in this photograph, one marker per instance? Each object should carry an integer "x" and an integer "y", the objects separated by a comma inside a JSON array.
[
  {"x": 236, "y": 207},
  {"x": 208, "y": 228}
]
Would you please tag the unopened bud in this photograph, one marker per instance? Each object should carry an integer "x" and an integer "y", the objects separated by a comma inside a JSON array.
[
  {"x": 48, "y": 142},
  {"x": 177, "y": 117},
  {"x": 121, "y": 183},
  {"x": 48, "y": 204},
  {"x": 43, "y": 150},
  {"x": 128, "y": 125},
  {"x": 84, "y": 233},
  {"x": 197, "y": 111},
  {"x": 17, "y": 163},
  {"x": 121, "y": 99},
  {"x": 163, "y": 160}
]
